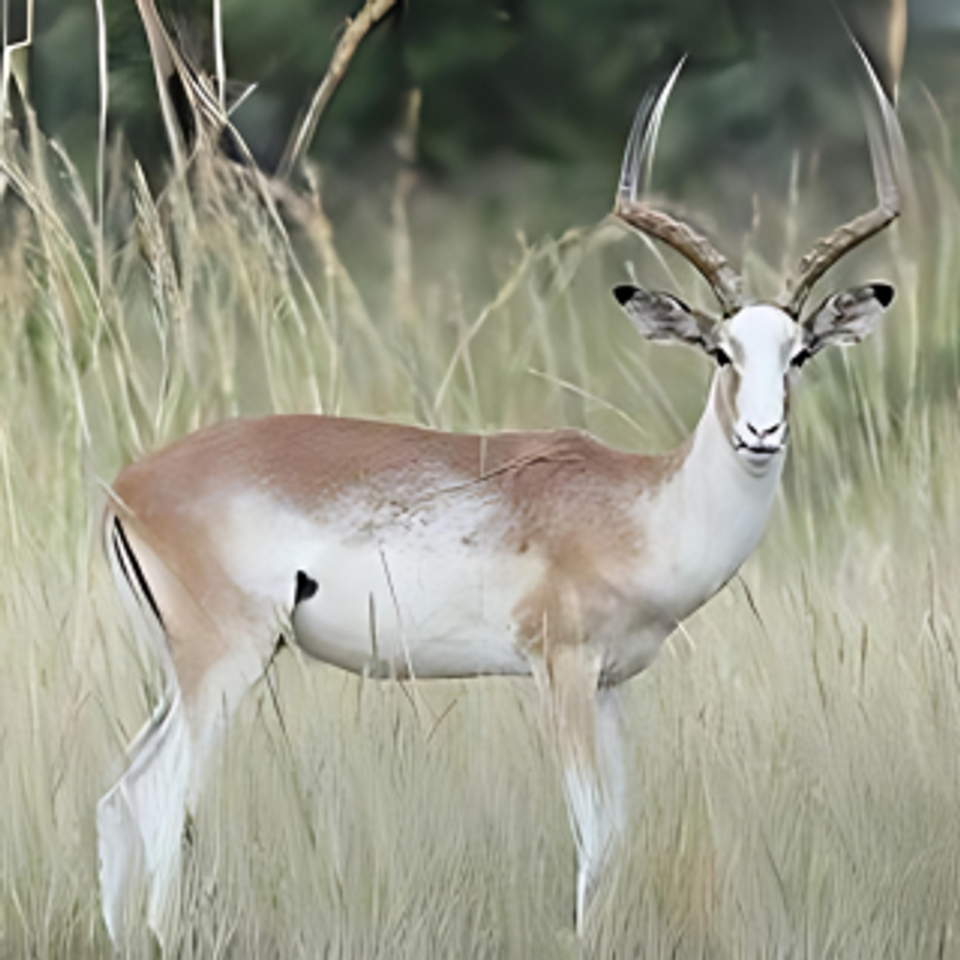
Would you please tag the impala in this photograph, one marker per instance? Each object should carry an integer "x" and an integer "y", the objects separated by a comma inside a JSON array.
[{"x": 427, "y": 554}]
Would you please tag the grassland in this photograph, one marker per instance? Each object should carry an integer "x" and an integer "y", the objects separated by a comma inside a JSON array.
[{"x": 794, "y": 772}]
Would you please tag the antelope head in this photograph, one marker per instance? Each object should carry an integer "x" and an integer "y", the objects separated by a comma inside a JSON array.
[{"x": 759, "y": 347}]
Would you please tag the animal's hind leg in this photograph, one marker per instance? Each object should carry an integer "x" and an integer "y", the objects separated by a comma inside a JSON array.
[
  {"x": 211, "y": 654},
  {"x": 140, "y": 821}
]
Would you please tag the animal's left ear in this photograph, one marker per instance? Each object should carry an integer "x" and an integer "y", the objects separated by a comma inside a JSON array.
[{"x": 845, "y": 317}]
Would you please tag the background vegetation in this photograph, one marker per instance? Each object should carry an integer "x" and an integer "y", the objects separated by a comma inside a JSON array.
[{"x": 794, "y": 765}]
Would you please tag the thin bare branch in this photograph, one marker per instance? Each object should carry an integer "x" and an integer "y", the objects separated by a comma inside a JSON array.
[{"x": 372, "y": 12}]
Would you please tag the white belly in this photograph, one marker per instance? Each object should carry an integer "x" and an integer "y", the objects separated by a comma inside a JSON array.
[
  {"x": 409, "y": 609},
  {"x": 430, "y": 598}
]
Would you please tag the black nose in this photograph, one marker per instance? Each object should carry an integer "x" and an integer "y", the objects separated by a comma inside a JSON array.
[{"x": 761, "y": 432}]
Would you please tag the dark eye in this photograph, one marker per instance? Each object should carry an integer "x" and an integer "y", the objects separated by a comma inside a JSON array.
[{"x": 721, "y": 356}]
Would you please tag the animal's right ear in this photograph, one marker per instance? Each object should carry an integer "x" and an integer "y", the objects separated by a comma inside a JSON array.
[{"x": 660, "y": 316}]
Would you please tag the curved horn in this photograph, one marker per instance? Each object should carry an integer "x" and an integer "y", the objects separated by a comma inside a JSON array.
[
  {"x": 886, "y": 140},
  {"x": 627, "y": 207}
]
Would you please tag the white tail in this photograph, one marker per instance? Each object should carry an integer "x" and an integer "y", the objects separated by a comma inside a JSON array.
[{"x": 391, "y": 550}]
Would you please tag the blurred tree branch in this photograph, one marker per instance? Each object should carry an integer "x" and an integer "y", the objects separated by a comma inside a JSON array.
[{"x": 299, "y": 142}]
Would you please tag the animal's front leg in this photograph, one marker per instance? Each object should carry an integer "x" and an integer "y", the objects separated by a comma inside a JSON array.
[{"x": 584, "y": 722}]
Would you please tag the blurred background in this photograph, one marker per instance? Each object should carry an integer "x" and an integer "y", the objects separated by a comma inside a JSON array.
[
  {"x": 523, "y": 111},
  {"x": 525, "y": 103}
]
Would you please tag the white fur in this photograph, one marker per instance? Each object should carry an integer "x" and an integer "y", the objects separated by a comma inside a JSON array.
[
  {"x": 763, "y": 338},
  {"x": 413, "y": 598},
  {"x": 700, "y": 528},
  {"x": 140, "y": 821},
  {"x": 596, "y": 801}
]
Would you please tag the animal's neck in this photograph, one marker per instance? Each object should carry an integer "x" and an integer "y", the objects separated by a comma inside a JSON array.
[
  {"x": 711, "y": 514},
  {"x": 715, "y": 470}
]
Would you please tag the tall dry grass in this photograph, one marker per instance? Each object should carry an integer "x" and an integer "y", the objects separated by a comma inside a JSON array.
[{"x": 793, "y": 766}]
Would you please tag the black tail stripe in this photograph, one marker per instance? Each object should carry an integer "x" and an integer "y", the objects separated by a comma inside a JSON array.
[{"x": 137, "y": 571}]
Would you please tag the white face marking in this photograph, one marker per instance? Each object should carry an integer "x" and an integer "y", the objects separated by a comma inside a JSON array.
[{"x": 760, "y": 341}]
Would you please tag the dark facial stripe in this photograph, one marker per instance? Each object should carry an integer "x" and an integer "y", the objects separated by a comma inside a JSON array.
[{"x": 727, "y": 389}]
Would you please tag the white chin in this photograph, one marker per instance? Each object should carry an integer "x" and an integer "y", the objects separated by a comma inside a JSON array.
[{"x": 759, "y": 461}]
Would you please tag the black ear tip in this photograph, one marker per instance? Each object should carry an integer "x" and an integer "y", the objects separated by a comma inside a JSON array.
[
  {"x": 624, "y": 292},
  {"x": 884, "y": 293}
]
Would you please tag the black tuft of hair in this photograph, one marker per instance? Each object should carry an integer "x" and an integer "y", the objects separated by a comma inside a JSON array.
[
  {"x": 624, "y": 292},
  {"x": 306, "y": 588},
  {"x": 883, "y": 292}
]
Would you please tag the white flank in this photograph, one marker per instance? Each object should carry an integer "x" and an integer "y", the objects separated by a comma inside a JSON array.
[{"x": 429, "y": 596}]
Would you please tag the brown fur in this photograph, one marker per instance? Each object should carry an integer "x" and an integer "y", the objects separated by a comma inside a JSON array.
[
  {"x": 316, "y": 459},
  {"x": 725, "y": 399},
  {"x": 195, "y": 597},
  {"x": 560, "y": 493}
]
